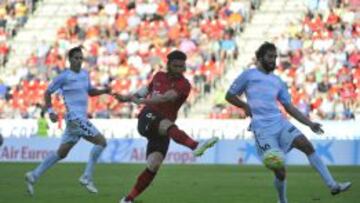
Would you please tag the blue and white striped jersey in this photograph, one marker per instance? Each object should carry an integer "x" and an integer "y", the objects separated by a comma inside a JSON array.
[
  {"x": 74, "y": 88},
  {"x": 262, "y": 92}
]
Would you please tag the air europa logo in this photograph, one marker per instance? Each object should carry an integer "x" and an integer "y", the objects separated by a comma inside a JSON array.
[{"x": 11, "y": 153}]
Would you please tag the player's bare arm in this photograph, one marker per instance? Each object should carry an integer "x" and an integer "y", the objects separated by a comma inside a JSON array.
[
  {"x": 123, "y": 97},
  {"x": 141, "y": 93},
  {"x": 236, "y": 101},
  {"x": 97, "y": 91},
  {"x": 168, "y": 96},
  {"x": 48, "y": 105},
  {"x": 294, "y": 112}
]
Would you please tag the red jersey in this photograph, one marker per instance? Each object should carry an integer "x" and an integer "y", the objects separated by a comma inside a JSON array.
[{"x": 161, "y": 83}]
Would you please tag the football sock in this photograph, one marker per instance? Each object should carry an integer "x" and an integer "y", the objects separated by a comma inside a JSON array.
[
  {"x": 143, "y": 181},
  {"x": 94, "y": 156},
  {"x": 322, "y": 169},
  {"x": 49, "y": 161},
  {"x": 281, "y": 190},
  {"x": 181, "y": 137}
]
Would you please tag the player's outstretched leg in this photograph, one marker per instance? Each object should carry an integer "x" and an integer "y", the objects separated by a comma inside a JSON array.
[
  {"x": 154, "y": 161},
  {"x": 179, "y": 136},
  {"x": 206, "y": 145},
  {"x": 143, "y": 181},
  {"x": 32, "y": 176},
  {"x": 304, "y": 145}
]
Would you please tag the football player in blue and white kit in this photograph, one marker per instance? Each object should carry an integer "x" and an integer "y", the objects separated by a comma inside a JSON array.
[
  {"x": 74, "y": 84},
  {"x": 272, "y": 130}
]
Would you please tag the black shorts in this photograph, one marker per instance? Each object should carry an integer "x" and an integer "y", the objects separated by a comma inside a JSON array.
[{"x": 148, "y": 126}]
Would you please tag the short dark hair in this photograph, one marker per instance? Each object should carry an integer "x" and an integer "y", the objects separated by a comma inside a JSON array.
[
  {"x": 176, "y": 55},
  {"x": 74, "y": 50},
  {"x": 263, "y": 49}
]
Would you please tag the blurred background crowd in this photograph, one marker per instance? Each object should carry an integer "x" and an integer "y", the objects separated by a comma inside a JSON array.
[
  {"x": 126, "y": 41},
  {"x": 319, "y": 58}
]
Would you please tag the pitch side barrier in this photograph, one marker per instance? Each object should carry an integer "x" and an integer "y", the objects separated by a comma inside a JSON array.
[
  {"x": 197, "y": 128},
  {"x": 339, "y": 146}
]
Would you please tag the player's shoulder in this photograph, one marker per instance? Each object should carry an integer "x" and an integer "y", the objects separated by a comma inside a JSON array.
[
  {"x": 185, "y": 81},
  {"x": 159, "y": 74},
  {"x": 84, "y": 71},
  {"x": 248, "y": 72},
  {"x": 252, "y": 70},
  {"x": 278, "y": 78},
  {"x": 64, "y": 73}
]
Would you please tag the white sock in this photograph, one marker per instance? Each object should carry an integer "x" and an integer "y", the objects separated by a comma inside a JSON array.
[
  {"x": 322, "y": 169},
  {"x": 281, "y": 190},
  {"x": 49, "y": 161},
  {"x": 94, "y": 155}
]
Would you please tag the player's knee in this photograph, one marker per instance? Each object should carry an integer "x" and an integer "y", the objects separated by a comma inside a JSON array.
[
  {"x": 103, "y": 144},
  {"x": 101, "y": 140},
  {"x": 154, "y": 161},
  {"x": 164, "y": 126},
  {"x": 154, "y": 166},
  {"x": 304, "y": 145},
  {"x": 280, "y": 174},
  {"x": 62, "y": 154},
  {"x": 307, "y": 147}
]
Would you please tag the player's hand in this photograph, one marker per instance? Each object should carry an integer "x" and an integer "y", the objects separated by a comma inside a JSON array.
[
  {"x": 53, "y": 117},
  {"x": 248, "y": 112},
  {"x": 316, "y": 128}
]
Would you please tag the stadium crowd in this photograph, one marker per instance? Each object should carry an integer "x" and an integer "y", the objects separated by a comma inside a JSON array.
[
  {"x": 319, "y": 58},
  {"x": 125, "y": 42},
  {"x": 13, "y": 15}
]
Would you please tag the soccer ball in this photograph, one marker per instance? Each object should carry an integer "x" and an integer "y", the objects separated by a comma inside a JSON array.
[{"x": 274, "y": 159}]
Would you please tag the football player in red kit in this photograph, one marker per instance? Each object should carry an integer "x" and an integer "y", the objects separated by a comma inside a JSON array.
[{"x": 162, "y": 99}]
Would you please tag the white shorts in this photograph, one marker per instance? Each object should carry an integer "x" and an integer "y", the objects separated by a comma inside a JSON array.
[
  {"x": 281, "y": 139},
  {"x": 77, "y": 127}
]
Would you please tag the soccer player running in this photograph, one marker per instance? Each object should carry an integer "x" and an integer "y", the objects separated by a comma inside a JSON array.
[
  {"x": 74, "y": 84},
  {"x": 162, "y": 99},
  {"x": 271, "y": 129}
]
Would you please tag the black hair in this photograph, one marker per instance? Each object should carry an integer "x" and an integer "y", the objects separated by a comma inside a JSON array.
[
  {"x": 176, "y": 55},
  {"x": 263, "y": 49},
  {"x": 74, "y": 50}
]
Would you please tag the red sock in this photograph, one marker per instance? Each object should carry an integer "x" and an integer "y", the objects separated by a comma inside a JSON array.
[
  {"x": 181, "y": 137},
  {"x": 143, "y": 181}
]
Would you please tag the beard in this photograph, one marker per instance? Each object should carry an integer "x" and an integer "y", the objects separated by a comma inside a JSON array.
[{"x": 269, "y": 67}]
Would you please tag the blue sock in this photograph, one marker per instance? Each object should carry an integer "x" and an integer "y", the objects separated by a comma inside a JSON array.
[
  {"x": 281, "y": 190},
  {"x": 94, "y": 155},
  {"x": 49, "y": 161},
  {"x": 322, "y": 169}
]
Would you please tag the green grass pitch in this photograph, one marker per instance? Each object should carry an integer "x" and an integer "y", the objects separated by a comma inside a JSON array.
[{"x": 175, "y": 184}]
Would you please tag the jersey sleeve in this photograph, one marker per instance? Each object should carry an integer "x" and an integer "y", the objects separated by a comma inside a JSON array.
[
  {"x": 57, "y": 83},
  {"x": 284, "y": 96},
  {"x": 239, "y": 84}
]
